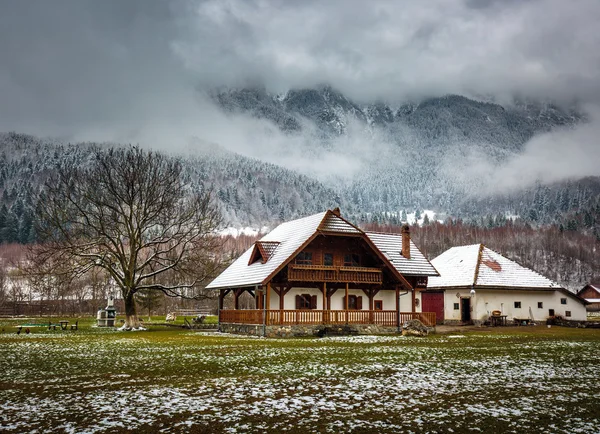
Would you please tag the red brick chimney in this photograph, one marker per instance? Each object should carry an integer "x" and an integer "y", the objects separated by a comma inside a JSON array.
[{"x": 406, "y": 241}]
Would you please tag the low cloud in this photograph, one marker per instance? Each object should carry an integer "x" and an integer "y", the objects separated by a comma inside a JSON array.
[{"x": 560, "y": 155}]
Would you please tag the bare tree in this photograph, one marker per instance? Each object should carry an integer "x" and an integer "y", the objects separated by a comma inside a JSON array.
[
  {"x": 3, "y": 288},
  {"x": 129, "y": 212}
]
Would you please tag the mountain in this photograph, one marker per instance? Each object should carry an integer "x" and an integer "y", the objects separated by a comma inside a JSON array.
[
  {"x": 248, "y": 191},
  {"x": 417, "y": 154},
  {"x": 381, "y": 161}
]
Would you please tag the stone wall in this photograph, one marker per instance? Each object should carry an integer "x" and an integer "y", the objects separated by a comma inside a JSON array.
[
  {"x": 241, "y": 329},
  {"x": 289, "y": 331}
]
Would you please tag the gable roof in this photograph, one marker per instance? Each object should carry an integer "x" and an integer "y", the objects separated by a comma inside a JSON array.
[
  {"x": 479, "y": 266},
  {"x": 263, "y": 251},
  {"x": 391, "y": 246},
  {"x": 291, "y": 237},
  {"x": 595, "y": 288}
]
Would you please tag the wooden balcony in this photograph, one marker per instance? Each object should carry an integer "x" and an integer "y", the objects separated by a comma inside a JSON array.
[
  {"x": 315, "y": 317},
  {"x": 320, "y": 273}
]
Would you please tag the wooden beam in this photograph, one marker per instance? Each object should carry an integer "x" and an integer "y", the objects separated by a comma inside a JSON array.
[
  {"x": 397, "y": 306},
  {"x": 221, "y": 297},
  {"x": 268, "y": 296},
  {"x": 414, "y": 300},
  {"x": 346, "y": 303},
  {"x": 236, "y": 299}
]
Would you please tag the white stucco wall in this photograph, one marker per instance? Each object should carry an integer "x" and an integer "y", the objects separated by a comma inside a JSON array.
[
  {"x": 337, "y": 299},
  {"x": 486, "y": 301}
]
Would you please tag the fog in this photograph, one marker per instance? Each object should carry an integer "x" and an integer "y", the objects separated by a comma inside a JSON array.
[{"x": 138, "y": 72}]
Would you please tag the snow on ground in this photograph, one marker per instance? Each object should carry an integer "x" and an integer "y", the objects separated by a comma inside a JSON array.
[
  {"x": 337, "y": 384},
  {"x": 244, "y": 231}
]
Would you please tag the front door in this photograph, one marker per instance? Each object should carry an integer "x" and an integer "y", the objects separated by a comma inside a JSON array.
[
  {"x": 433, "y": 302},
  {"x": 465, "y": 310}
]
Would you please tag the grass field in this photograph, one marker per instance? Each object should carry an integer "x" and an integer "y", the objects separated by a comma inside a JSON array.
[{"x": 174, "y": 380}]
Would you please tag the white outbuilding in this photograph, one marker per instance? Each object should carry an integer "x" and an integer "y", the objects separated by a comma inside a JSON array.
[{"x": 477, "y": 284}]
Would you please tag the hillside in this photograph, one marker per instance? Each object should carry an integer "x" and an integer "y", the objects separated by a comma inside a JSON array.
[{"x": 249, "y": 192}]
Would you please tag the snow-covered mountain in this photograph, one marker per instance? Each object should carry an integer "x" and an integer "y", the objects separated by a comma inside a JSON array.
[
  {"x": 398, "y": 159},
  {"x": 439, "y": 153}
]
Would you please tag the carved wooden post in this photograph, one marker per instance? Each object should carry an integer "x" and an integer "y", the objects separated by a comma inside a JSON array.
[
  {"x": 398, "y": 307},
  {"x": 346, "y": 303},
  {"x": 267, "y": 302},
  {"x": 371, "y": 297},
  {"x": 221, "y": 296},
  {"x": 324, "y": 291}
]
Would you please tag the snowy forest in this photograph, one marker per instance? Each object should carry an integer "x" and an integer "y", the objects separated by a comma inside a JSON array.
[{"x": 406, "y": 153}]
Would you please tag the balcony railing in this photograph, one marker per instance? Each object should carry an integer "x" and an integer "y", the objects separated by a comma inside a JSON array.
[
  {"x": 321, "y": 273},
  {"x": 316, "y": 317}
]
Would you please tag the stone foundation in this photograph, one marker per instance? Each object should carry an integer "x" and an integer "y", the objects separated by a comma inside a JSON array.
[
  {"x": 241, "y": 329},
  {"x": 290, "y": 331}
]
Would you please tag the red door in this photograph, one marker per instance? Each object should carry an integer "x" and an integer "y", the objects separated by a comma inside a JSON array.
[{"x": 433, "y": 302}]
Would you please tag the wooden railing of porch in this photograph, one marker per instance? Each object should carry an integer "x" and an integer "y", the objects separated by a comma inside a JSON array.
[
  {"x": 315, "y": 317},
  {"x": 320, "y": 273}
]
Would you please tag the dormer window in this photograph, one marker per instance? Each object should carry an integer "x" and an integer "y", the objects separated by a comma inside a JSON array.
[{"x": 263, "y": 250}]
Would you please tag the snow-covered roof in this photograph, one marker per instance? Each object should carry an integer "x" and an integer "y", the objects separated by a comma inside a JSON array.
[
  {"x": 480, "y": 266},
  {"x": 391, "y": 246},
  {"x": 593, "y": 300},
  {"x": 292, "y": 235}
]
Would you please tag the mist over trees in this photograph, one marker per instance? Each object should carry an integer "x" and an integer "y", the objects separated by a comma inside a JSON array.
[{"x": 414, "y": 156}]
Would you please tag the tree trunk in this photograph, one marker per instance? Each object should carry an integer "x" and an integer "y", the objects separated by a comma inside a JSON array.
[{"x": 131, "y": 318}]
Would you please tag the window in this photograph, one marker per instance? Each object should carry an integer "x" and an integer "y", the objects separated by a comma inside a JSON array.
[
  {"x": 456, "y": 306},
  {"x": 517, "y": 305},
  {"x": 540, "y": 305},
  {"x": 304, "y": 258},
  {"x": 550, "y": 312},
  {"x": 563, "y": 301},
  {"x": 567, "y": 313},
  {"x": 328, "y": 259},
  {"x": 351, "y": 260},
  {"x": 306, "y": 301},
  {"x": 378, "y": 305},
  {"x": 354, "y": 302}
]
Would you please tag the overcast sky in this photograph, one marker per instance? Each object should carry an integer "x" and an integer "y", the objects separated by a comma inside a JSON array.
[
  {"x": 134, "y": 70},
  {"x": 91, "y": 64}
]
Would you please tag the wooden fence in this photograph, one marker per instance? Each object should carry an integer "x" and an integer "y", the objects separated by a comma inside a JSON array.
[{"x": 315, "y": 317}]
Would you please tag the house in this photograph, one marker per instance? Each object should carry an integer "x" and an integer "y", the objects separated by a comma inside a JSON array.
[
  {"x": 591, "y": 294},
  {"x": 476, "y": 282},
  {"x": 323, "y": 271}
]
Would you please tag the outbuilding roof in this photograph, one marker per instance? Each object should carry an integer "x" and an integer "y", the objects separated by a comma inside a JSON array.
[
  {"x": 282, "y": 243},
  {"x": 477, "y": 265}
]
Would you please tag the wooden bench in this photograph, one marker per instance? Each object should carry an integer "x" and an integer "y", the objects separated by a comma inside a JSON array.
[{"x": 193, "y": 312}]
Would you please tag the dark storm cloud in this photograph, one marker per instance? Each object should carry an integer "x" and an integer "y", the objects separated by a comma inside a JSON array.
[{"x": 130, "y": 70}]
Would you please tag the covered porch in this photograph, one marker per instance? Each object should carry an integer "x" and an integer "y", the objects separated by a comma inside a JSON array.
[
  {"x": 388, "y": 318},
  {"x": 325, "y": 303}
]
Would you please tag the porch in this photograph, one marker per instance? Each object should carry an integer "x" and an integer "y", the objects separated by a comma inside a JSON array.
[{"x": 389, "y": 318}]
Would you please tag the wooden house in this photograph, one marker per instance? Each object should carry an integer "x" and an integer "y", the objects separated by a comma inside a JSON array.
[
  {"x": 591, "y": 294},
  {"x": 321, "y": 271},
  {"x": 477, "y": 284}
]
